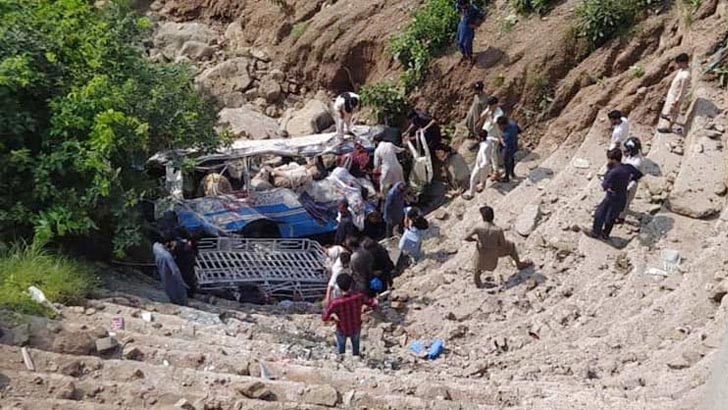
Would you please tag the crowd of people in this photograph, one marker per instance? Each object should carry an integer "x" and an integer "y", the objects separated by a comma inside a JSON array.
[{"x": 360, "y": 266}]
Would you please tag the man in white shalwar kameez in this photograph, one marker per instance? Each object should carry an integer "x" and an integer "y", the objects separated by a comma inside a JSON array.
[
  {"x": 385, "y": 160},
  {"x": 678, "y": 93},
  {"x": 479, "y": 175},
  {"x": 620, "y": 129},
  {"x": 345, "y": 106},
  {"x": 489, "y": 118}
]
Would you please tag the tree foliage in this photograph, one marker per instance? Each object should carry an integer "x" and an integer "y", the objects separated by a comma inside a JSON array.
[
  {"x": 388, "y": 101},
  {"x": 82, "y": 109}
]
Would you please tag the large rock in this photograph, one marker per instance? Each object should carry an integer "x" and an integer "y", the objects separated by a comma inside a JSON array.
[
  {"x": 235, "y": 38},
  {"x": 528, "y": 219},
  {"x": 321, "y": 395},
  {"x": 74, "y": 343},
  {"x": 313, "y": 118},
  {"x": 196, "y": 50},
  {"x": 226, "y": 79},
  {"x": 270, "y": 89},
  {"x": 171, "y": 37},
  {"x": 694, "y": 194},
  {"x": 245, "y": 122}
]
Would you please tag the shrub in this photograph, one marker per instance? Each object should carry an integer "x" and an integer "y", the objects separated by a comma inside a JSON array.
[
  {"x": 61, "y": 279},
  {"x": 601, "y": 20},
  {"x": 388, "y": 101},
  {"x": 82, "y": 111},
  {"x": 540, "y": 7},
  {"x": 432, "y": 29},
  {"x": 299, "y": 29}
]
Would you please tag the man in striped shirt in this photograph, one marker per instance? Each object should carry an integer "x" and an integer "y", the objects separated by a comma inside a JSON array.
[{"x": 346, "y": 312}]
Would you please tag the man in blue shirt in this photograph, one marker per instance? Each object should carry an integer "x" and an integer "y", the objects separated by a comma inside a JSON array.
[
  {"x": 615, "y": 185},
  {"x": 172, "y": 281},
  {"x": 469, "y": 16},
  {"x": 509, "y": 135}
]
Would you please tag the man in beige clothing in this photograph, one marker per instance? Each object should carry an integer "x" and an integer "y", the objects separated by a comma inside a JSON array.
[
  {"x": 491, "y": 245},
  {"x": 678, "y": 93}
]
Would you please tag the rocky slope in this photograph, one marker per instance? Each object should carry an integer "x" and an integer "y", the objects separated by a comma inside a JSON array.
[{"x": 592, "y": 325}]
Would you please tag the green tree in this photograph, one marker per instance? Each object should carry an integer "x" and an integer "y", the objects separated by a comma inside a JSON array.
[{"x": 82, "y": 109}]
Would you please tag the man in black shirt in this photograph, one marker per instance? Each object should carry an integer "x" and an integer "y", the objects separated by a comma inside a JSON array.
[{"x": 615, "y": 185}]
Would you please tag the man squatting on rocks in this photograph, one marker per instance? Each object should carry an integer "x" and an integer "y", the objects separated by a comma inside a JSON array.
[
  {"x": 345, "y": 106},
  {"x": 491, "y": 245}
]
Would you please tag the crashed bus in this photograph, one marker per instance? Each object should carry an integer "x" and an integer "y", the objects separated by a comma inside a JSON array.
[{"x": 261, "y": 203}]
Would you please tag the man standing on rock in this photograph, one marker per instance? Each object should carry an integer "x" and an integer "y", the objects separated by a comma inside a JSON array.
[
  {"x": 677, "y": 94},
  {"x": 509, "y": 135},
  {"x": 345, "y": 106},
  {"x": 172, "y": 281},
  {"x": 620, "y": 129},
  {"x": 491, "y": 245},
  {"x": 615, "y": 185},
  {"x": 632, "y": 156},
  {"x": 479, "y": 174},
  {"x": 489, "y": 122},
  {"x": 346, "y": 311},
  {"x": 385, "y": 161},
  {"x": 479, "y": 104}
]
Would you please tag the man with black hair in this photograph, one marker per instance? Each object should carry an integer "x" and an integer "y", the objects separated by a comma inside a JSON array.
[
  {"x": 169, "y": 273},
  {"x": 420, "y": 120},
  {"x": 457, "y": 173},
  {"x": 620, "y": 129},
  {"x": 346, "y": 311},
  {"x": 509, "y": 135},
  {"x": 346, "y": 226},
  {"x": 491, "y": 245},
  {"x": 345, "y": 106},
  {"x": 615, "y": 185},
  {"x": 678, "y": 93}
]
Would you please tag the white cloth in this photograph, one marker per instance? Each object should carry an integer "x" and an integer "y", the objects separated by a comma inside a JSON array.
[
  {"x": 636, "y": 161},
  {"x": 336, "y": 267},
  {"x": 344, "y": 120},
  {"x": 385, "y": 158},
  {"x": 620, "y": 133},
  {"x": 677, "y": 93},
  {"x": 491, "y": 122},
  {"x": 481, "y": 165}
]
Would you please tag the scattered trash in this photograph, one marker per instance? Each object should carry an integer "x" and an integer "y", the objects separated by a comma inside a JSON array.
[
  {"x": 27, "y": 359},
  {"x": 429, "y": 351},
  {"x": 580, "y": 163},
  {"x": 147, "y": 316},
  {"x": 670, "y": 260},
  {"x": 265, "y": 374},
  {"x": 117, "y": 323},
  {"x": 165, "y": 362},
  {"x": 39, "y": 297},
  {"x": 656, "y": 272}
]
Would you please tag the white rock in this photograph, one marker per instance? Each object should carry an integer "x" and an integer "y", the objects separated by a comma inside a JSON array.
[
  {"x": 580, "y": 163},
  {"x": 196, "y": 50},
  {"x": 171, "y": 37},
  {"x": 528, "y": 219},
  {"x": 226, "y": 78},
  {"x": 246, "y": 122}
]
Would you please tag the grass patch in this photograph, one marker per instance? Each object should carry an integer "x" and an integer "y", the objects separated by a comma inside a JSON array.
[
  {"x": 602, "y": 20},
  {"x": 527, "y": 7},
  {"x": 62, "y": 280},
  {"x": 299, "y": 29}
]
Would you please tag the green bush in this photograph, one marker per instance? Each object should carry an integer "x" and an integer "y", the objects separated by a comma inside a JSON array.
[
  {"x": 540, "y": 7},
  {"x": 433, "y": 28},
  {"x": 601, "y": 20},
  {"x": 299, "y": 29},
  {"x": 388, "y": 101},
  {"x": 62, "y": 280},
  {"x": 82, "y": 110}
]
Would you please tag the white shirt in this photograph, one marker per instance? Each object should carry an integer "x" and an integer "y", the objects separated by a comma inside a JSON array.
[
  {"x": 635, "y": 161},
  {"x": 340, "y": 103},
  {"x": 385, "y": 156},
  {"x": 620, "y": 133},
  {"x": 679, "y": 86},
  {"x": 491, "y": 124}
]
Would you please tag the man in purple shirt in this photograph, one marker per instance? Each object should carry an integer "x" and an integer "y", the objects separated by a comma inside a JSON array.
[{"x": 615, "y": 185}]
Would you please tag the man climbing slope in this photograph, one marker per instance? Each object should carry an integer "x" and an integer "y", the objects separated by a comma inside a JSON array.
[
  {"x": 678, "y": 93},
  {"x": 491, "y": 245}
]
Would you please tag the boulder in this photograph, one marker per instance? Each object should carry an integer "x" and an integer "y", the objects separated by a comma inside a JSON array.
[
  {"x": 74, "y": 343},
  {"x": 106, "y": 344},
  {"x": 195, "y": 50},
  {"x": 313, "y": 118},
  {"x": 528, "y": 219},
  {"x": 171, "y": 37},
  {"x": 270, "y": 89},
  {"x": 256, "y": 390},
  {"x": 321, "y": 395},
  {"x": 227, "y": 78},
  {"x": 69, "y": 392},
  {"x": 235, "y": 38},
  {"x": 246, "y": 122}
]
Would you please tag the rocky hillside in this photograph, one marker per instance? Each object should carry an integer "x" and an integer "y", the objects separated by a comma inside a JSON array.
[{"x": 593, "y": 325}]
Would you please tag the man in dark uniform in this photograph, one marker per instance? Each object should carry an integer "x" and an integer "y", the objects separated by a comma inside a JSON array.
[{"x": 615, "y": 185}]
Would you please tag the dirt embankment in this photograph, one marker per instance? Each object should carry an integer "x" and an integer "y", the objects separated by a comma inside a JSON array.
[{"x": 535, "y": 65}]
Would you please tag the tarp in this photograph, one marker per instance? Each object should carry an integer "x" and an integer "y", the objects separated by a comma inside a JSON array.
[{"x": 307, "y": 146}]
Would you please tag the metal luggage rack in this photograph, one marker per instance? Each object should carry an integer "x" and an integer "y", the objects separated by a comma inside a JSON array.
[{"x": 290, "y": 268}]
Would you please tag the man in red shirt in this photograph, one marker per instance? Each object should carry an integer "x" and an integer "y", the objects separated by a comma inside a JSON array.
[{"x": 347, "y": 311}]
